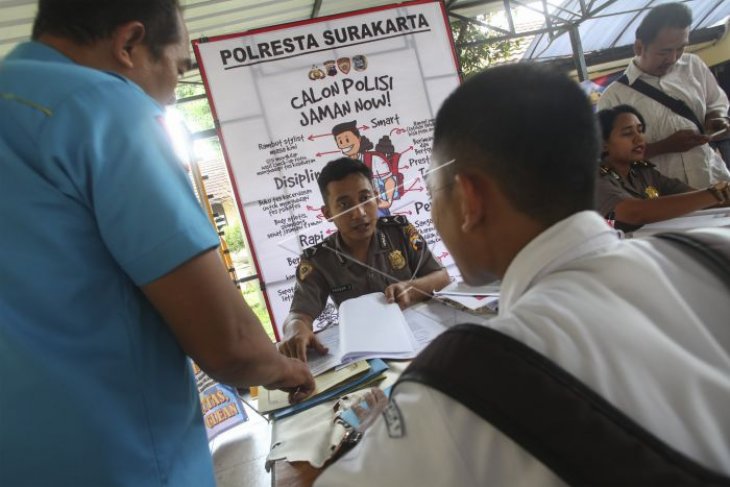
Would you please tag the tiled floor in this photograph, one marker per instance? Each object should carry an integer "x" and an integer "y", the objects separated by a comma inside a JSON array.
[{"x": 239, "y": 454}]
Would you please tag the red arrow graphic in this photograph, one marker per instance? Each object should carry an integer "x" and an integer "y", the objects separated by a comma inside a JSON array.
[
  {"x": 411, "y": 188},
  {"x": 410, "y": 148},
  {"x": 404, "y": 212},
  {"x": 320, "y": 154},
  {"x": 397, "y": 131},
  {"x": 312, "y": 136}
]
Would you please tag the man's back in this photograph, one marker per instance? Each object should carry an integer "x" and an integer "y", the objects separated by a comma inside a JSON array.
[
  {"x": 93, "y": 204},
  {"x": 642, "y": 325}
]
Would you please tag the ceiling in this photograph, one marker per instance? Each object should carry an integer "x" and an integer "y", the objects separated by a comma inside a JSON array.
[
  {"x": 612, "y": 23},
  {"x": 208, "y": 18}
]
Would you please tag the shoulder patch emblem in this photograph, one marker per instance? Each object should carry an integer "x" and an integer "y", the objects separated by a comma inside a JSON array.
[
  {"x": 394, "y": 420},
  {"x": 304, "y": 269},
  {"x": 413, "y": 237}
]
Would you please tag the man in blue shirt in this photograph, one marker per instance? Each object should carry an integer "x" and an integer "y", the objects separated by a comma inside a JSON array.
[{"x": 110, "y": 275}]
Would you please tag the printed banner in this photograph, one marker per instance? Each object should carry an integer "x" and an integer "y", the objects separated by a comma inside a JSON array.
[
  {"x": 288, "y": 99},
  {"x": 221, "y": 406}
]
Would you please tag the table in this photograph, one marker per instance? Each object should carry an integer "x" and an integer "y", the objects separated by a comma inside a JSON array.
[
  {"x": 296, "y": 474},
  {"x": 303, "y": 474}
]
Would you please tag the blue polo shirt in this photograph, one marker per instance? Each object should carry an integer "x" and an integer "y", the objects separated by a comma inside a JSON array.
[{"x": 94, "y": 388}]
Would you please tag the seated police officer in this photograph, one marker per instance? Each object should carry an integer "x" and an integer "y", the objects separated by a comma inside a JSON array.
[{"x": 367, "y": 254}]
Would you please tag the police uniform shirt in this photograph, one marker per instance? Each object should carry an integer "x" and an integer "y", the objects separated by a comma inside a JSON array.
[
  {"x": 643, "y": 182},
  {"x": 326, "y": 269}
]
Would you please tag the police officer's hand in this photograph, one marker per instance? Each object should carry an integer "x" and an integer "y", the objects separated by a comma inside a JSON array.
[
  {"x": 298, "y": 337},
  {"x": 401, "y": 293},
  {"x": 684, "y": 140},
  {"x": 296, "y": 379}
]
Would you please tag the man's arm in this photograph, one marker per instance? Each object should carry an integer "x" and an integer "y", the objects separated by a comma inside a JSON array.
[
  {"x": 679, "y": 141},
  {"x": 218, "y": 330},
  {"x": 636, "y": 211},
  {"x": 298, "y": 336},
  {"x": 407, "y": 293}
]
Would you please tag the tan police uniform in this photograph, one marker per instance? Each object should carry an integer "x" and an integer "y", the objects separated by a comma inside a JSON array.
[
  {"x": 326, "y": 269},
  {"x": 643, "y": 182}
]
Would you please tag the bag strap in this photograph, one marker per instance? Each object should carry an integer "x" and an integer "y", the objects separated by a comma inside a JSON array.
[
  {"x": 572, "y": 430},
  {"x": 705, "y": 246},
  {"x": 677, "y": 106}
]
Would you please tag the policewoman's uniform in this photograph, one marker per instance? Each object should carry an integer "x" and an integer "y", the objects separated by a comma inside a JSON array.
[
  {"x": 643, "y": 182},
  {"x": 327, "y": 269}
]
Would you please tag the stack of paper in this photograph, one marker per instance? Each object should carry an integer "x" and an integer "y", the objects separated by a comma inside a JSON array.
[
  {"x": 328, "y": 386},
  {"x": 271, "y": 400},
  {"x": 713, "y": 217},
  {"x": 472, "y": 297}
]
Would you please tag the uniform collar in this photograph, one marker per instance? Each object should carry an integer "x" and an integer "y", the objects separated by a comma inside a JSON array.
[
  {"x": 633, "y": 72},
  {"x": 578, "y": 235},
  {"x": 37, "y": 51},
  {"x": 378, "y": 244},
  {"x": 608, "y": 171}
]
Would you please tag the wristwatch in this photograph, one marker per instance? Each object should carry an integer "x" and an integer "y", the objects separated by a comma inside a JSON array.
[{"x": 720, "y": 191}]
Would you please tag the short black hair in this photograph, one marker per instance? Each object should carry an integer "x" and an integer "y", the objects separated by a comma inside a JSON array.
[
  {"x": 532, "y": 130},
  {"x": 87, "y": 21},
  {"x": 607, "y": 118},
  {"x": 346, "y": 127},
  {"x": 339, "y": 169},
  {"x": 672, "y": 15}
]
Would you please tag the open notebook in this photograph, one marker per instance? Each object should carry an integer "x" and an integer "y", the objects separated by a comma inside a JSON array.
[{"x": 370, "y": 327}]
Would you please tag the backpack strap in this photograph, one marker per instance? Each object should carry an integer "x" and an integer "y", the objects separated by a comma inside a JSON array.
[
  {"x": 709, "y": 247},
  {"x": 677, "y": 106},
  {"x": 572, "y": 430}
]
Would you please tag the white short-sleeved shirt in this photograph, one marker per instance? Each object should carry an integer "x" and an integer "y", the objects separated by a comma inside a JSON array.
[
  {"x": 688, "y": 80},
  {"x": 643, "y": 325}
]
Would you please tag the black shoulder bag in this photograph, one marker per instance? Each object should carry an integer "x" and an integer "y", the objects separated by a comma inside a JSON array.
[{"x": 576, "y": 433}]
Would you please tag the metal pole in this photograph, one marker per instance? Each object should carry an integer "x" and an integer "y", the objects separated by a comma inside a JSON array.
[{"x": 578, "y": 56}]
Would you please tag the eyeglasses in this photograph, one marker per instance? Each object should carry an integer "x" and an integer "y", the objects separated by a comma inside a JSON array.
[{"x": 428, "y": 176}]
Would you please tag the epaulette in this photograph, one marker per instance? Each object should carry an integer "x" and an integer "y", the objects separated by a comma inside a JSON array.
[
  {"x": 642, "y": 164},
  {"x": 309, "y": 252},
  {"x": 393, "y": 220},
  {"x": 607, "y": 171}
]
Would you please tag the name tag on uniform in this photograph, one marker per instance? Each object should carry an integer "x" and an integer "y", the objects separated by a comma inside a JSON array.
[{"x": 341, "y": 289}]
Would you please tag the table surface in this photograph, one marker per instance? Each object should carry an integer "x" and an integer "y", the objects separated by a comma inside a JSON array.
[
  {"x": 296, "y": 474},
  {"x": 303, "y": 474}
]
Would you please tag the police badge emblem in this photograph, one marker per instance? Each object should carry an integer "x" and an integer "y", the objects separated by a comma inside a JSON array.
[
  {"x": 330, "y": 67},
  {"x": 305, "y": 268},
  {"x": 315, "y": 73},
  {"x": 651, "y": 192},
  {"x": 344, "y": 64},
  {"x": 397, "y": 261},
  {"x": 359, "y": 62}
]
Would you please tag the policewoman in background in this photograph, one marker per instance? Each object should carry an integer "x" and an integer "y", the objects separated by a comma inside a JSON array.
[{"x": 631, "y": 190}]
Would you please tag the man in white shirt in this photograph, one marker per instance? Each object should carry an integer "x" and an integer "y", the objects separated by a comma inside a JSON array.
[
  {"x": 675, "y": 143},
  {"x": 643, "y": 325}
]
